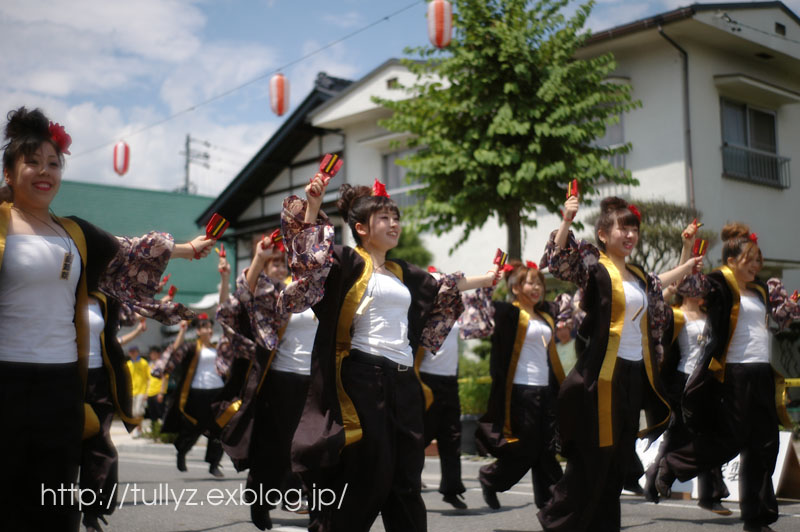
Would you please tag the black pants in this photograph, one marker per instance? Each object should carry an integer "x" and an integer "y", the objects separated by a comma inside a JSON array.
[
  {"x": 155, "y": 410},
  {"x": 443, "y": 423},
  {"x": 710, "y": 483},
  {"x": 99, "y": 459},
  {"x": 279, "y": 407},
  {"x": 587, "y": 496},
  {"x": 382, "y": 471},
  {"x": 746, "y": 424},
  {"x": 41, "y": 412},
  {"x": 198, "y": 405},
  {"x": 533, "y": 422}
]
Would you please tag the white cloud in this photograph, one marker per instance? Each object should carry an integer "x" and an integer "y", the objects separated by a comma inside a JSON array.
[
  {"x": 344, "y": 20},
  {"x": 214, "y": 69}
]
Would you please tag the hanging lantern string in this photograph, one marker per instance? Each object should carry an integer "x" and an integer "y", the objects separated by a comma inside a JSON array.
[{"x": 254, "y": 80}]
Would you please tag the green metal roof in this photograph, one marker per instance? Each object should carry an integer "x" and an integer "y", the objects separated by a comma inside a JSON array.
[{"x": 127, "y": 211}]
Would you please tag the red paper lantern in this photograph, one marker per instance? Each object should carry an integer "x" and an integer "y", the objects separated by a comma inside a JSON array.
[
  {"x": 440, "y": 22},
  {"x": 279, "y": 94},
  {"x": 122, "y": 156}
]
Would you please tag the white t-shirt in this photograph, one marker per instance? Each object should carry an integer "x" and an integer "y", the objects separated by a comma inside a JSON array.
[
  {"x": 205, "y": 375},
  {"x": 37, "y": 306},
  {"x": 381, "y": 328},
  {"x": 691, "y": 340},
  {"x": 294, "y": 351},
  {"x": 96, "y": 325},
  {"x": 630, "y": 344},
  {"x": 532, "y": 369},
  {"x": 750, "y": 340},
  {"x": 445, "y": 362}
]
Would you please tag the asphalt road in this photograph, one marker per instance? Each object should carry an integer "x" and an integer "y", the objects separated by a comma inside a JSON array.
[{"x": 153, "y": 496}]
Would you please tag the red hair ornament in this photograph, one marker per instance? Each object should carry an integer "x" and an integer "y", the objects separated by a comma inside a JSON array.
[
  {"x": 753, "y": 238},
  {"x": 635, "y": 211},
  {"x": 379, "y": 189},
  {"x": 60, "y": 137}
]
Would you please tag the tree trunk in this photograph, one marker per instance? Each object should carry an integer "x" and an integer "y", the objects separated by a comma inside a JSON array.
[{"x": 514, "y": 243}]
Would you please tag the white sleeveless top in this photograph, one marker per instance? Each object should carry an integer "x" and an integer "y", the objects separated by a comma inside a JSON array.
[
  {"x": 294, "y": 351},
  {"x": 96, "y": 325},
  {"x": 37, "y": 306},
  {"x": 382, "y": 326},
  {"x": 750, "y": 340},
  {"x": 691, "y": 341},
  {"x": 445, "y": 362},
  {"x": 205, "y": 375},
  {"x": 532, "y": 367},
  {"x": 630, "y": 344}
]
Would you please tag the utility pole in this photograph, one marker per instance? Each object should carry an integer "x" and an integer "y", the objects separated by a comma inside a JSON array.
[{"x": 196, "y": 157}]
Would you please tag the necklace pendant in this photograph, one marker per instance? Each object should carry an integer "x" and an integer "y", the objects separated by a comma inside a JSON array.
[{"x": 66, "y": 266}]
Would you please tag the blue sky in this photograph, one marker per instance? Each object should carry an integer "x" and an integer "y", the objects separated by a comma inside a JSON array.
[{"x": 107, "y": 68}]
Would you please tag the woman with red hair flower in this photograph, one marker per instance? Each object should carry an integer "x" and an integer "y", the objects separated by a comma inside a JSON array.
[
  {"x": 616, "y": 375},
  {"x": 519, "y": 425},
  {"x": 730, "y": 401},
  {"x": 48, "y": 267}
]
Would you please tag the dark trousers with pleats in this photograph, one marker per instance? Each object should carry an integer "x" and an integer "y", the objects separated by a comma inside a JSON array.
[
  {"x": 533, "y": 422},
  {"x": 41, "y": 412},
  {"x": 443, "y": 423},
  {"x": 746, "y": 423},
  {"x": 711, "y": 486},
  {"x": 99, "y": 459},
  {"x": 279, "y": 407},
  {"x": 587, "y": 496},
  {"x": 198, "y": 405},
  {"x": 381, "y": 473}
]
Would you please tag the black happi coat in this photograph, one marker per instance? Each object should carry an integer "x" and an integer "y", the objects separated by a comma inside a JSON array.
[
  {"x": 494, "y": 434},
  {"x": 329, "y": 420},
  {"x": 584, "y": 402},
  {"x": 702, "y": 389}
]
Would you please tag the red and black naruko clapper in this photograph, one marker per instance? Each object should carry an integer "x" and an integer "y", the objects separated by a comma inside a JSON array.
[
  {"x": 330, "y": 165},
  {"x": 700, "y": 247},
  {"x": 216, "y": 226},
  {"x": 795, "y": 296},
  {"x": 573, "y": 189},
  {"x": 277, "y": 240},
  {"x": 172, "y": 290},
  {"x": 500, "y": 258}
]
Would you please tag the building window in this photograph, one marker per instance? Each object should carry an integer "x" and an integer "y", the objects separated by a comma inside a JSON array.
[
  {"x": 750, "y": 145},
  {"x": 394, "y": 177}
]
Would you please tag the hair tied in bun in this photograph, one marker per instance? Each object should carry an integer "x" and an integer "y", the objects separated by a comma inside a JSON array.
[
  {"x": 60, "y": 137},
  {"x": 635, "y": 211}
]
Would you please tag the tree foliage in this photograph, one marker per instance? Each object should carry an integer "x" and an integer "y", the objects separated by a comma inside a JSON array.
[
  {"x": 506, "y": 116},
  {"x": 659, "y": 246}
]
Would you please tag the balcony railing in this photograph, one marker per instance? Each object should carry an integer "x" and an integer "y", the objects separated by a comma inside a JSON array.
[{"x": 755, "y": 166}]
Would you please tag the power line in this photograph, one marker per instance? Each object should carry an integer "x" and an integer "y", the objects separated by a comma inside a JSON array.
[{"x": 255, "y": 79}]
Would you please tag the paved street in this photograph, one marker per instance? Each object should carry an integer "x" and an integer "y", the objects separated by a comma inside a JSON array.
[{"x": 196, "y": 501}]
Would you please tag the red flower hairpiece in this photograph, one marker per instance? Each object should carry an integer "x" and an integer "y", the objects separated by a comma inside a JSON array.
[
  {"x": 635, "y": 211},
  {"x": 379, "y": 189},
  {"x": 753, "y": 238},
  {"x": 432, "y": 269},
  {"x": 507, "y": 268},
  {"x": 531, "y": 265},
  {"x": 60, "y": 137},
  {"x": 202, "y": 316}
]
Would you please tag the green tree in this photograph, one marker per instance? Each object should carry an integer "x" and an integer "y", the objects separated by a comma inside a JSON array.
[
  {"x": 506, "y": 116},
  {"x": 659, "y": 246},
  {"x": 410, "y": 249}
]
